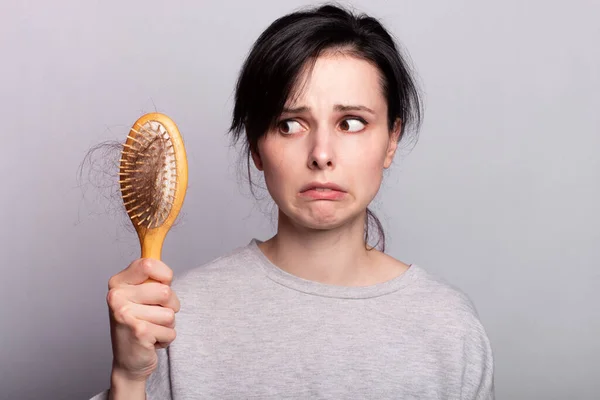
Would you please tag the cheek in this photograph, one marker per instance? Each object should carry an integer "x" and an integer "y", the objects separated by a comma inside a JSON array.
[
  {"x": 372, "y": 175},
  {"x": 277, "y": 166},
  {"x": 367, "y": 168}
]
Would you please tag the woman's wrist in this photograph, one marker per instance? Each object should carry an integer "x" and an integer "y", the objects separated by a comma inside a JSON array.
[{"x": 122, "y": 387}]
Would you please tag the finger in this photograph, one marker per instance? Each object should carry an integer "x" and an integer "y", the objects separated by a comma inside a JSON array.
[
  {"x": 154, "y": 314},
  {"x": 146, "y": 332},
  {"x": 116, "y": 299},
  {"x": 129, "y": 313},
  {"x": 142, "y": 269},
  {"x": 163, "y": 334},
  {"x": 152, "y": 293}
]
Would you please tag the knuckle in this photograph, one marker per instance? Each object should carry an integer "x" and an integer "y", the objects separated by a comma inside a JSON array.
[
  {"x": 113, "y": 281},
  {"x": 122, "y": 313},
  {"x": 112, "y": 297},
  {"x": 145, "y": 265},
  {"x": 140, "y": 330},
  {"x": 170, "y": 317},
  {"x": 165, "y": 292}
]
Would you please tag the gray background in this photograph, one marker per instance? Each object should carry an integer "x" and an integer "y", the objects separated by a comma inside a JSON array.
[{"x": 500, "y": 195}]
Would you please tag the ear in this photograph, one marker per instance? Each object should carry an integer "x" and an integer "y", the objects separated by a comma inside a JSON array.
[
  {"x": 394, "y": 138},
  {"x": 257, "y": 160}
]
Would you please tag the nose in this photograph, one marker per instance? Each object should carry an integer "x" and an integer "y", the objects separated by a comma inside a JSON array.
[{"x": 321, "y": 153}]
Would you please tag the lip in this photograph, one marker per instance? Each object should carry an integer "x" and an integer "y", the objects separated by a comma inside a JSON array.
[
  {"x": 322, "y": 185},
  {"x": 310, "y": 191}
]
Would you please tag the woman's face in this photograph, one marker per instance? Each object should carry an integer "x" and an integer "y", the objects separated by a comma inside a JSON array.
[{"x": 333, "y": 133}]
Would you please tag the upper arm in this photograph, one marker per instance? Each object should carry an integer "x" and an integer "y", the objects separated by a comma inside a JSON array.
[{"x": 478, "y": 373}]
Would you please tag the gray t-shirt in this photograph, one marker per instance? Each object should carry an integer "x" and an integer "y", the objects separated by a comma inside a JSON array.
[{"x": 249, "y": 330}]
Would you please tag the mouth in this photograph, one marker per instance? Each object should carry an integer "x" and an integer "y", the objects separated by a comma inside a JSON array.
[
  {"x": 322, "y": 187},
  {"x": 322, "y": 191}
]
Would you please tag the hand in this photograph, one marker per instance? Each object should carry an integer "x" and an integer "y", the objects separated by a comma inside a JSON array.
[{"x": 142, "y": 317}]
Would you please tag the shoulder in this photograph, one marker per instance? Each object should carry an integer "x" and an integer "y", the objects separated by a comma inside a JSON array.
[
  {"x": 443, "y": 302},
  {"x": 228, "y": 268},
  {"x": 448, "y": 317},
  {"x": 427, "y": 291}
]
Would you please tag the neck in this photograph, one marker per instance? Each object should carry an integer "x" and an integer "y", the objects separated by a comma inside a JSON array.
[{"x": 335, "y": 256}]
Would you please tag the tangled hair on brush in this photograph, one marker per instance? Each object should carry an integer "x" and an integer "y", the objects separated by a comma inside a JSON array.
[
  {"x": 146, "y": 171},
  {"x": 100, "y": 170},
  {"x": 271, "y": 73},
  {"x": 148, "y": 174}
]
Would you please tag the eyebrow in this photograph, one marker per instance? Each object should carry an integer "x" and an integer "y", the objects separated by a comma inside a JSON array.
[{"x": 337, "y": 107}]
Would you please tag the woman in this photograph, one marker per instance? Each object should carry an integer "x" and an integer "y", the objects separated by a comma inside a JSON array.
[{"x": 315, "y": 311}]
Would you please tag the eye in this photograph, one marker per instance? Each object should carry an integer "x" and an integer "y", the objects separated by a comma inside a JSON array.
[
  {"x": 353, "y": 124},
  {"x": 289, "y": 127}
]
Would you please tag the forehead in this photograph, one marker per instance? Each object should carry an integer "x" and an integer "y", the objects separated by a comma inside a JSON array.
[{"x": 339, "y": 79}]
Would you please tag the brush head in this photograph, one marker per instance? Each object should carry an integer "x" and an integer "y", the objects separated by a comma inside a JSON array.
[{"x": 148, "y": 172}]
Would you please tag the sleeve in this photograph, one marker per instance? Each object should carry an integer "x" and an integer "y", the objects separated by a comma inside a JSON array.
[
  {"x": 101, "y": 396},
  {"x": 158, "y": 385},
  {"x": 478, "y": 373}
]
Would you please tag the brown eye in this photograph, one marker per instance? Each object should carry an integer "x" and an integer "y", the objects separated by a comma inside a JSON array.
[
  {"x": 284, "y": 127},
  {"x": 289, "y": 127},
  {"x": 353, "y": 124}
]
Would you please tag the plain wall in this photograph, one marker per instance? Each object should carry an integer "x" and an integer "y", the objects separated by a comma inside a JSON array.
[{"x": 500, "y": 195}]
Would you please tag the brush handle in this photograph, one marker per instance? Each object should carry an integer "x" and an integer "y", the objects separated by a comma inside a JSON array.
[
  {"x": 151, "y": 244},
  {"x": 152, "y": 248}
]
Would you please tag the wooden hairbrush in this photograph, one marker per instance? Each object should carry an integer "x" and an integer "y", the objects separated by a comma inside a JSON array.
[{"x": 153, "y": 178}]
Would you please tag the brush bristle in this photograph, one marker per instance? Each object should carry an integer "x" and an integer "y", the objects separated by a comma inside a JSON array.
[{"x": 148, "y": 175}]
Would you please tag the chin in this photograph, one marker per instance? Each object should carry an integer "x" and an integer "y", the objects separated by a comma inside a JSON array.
[
  {"x": 321, "y": 219},
  {"x": 321, "y": 225}
]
